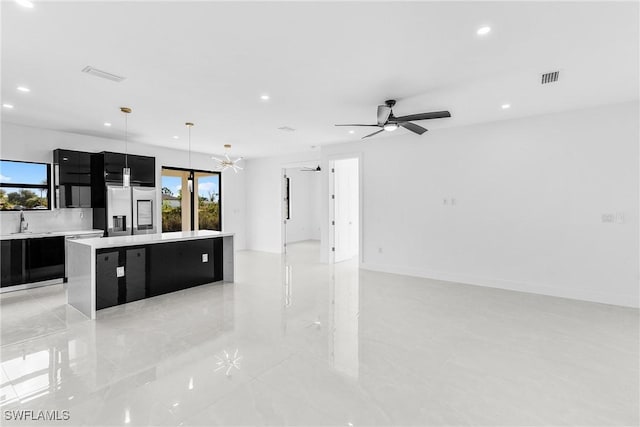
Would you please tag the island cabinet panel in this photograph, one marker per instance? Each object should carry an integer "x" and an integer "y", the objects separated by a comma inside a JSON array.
[
  {"x": 107, "y": 286},
  {"x": 180, "y": 265},
  {"x": 121, "y": 276},
  {"x": 136, "y": 274},
  {"x": 162, "y": 269}
]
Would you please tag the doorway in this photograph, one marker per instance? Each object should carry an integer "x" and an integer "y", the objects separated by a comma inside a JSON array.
[
  {"x": 301, "y": 206},
  {"x": 344, "y": 187},
  {"x": 185, "y": 210}
]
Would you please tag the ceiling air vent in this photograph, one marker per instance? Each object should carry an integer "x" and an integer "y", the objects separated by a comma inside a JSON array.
[
  {"x": 286, "y": 129},
  {"x": 549, "y": 77},
  {"x": 102, "y": 74}
]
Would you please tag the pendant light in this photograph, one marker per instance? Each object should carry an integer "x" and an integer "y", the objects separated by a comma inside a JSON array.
[
  {"x": 227, "y": 163},
  {"x": 126, "y": 172},
  {"x": 190, "y": 179}
]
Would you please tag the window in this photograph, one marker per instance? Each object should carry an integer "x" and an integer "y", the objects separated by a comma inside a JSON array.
[
  {"x": 180, "y": 211},
  {"x": 24, "y": 185}
]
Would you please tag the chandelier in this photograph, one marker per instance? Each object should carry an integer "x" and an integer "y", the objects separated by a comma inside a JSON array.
[{"x": 226, "y": 162}]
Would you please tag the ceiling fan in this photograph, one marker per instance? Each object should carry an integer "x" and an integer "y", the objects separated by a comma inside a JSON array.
[
  {"x": 310, "y": 169},
  {"x": 387, "y": 121}
]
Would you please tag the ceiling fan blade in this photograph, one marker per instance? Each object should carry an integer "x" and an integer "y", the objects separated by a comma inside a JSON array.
[
  {"x": 383, "y": 114},
  {"x": 357, "y": 125},
  {"x": 413, "y": 127},
  {"x": 371, "y": 134},
  {"x": 423, "y": 116}
]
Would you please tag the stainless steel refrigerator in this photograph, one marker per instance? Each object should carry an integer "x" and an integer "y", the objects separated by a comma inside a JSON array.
[{"x": 130, "y": 210}]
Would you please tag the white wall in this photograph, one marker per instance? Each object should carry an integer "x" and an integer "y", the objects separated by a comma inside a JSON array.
[
  {"x": 264, "y": 196},
  {"x": 304, "y": 223},
  {"x": 36, "y": 145},
  {"x": 529, "y": 197}
]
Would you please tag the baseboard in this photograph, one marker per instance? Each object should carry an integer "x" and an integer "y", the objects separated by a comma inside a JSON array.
[{"x": 533, "y": 288}]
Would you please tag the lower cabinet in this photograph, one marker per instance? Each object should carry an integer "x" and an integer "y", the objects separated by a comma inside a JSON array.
[
  {"x": 45, "y": 258},
  {"x": 121, "y": 276},
  {"x": 31, "y": 260},
  {"x": 12, "y": 257},
  {"x": 131, "y": 273},
  {"x": 181, "y": 265}
]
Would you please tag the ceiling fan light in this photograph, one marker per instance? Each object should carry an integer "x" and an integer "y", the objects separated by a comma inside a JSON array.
[{"x": 390, "y": 127}]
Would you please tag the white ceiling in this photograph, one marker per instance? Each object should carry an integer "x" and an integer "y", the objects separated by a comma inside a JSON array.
[{"x": 321, "y": 63}]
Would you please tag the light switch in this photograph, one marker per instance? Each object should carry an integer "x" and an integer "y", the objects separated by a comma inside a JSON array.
[
  {"x": 120, "y": 271},
  {"x": 205, "y": 257},
  {"x": 619, "y": 218}
]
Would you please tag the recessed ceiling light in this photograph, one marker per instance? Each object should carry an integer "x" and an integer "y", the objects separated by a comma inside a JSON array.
[
  {"x": 176, "y": 137},
  {"x": 107, "y": 124},
  {"x": 23, "y": 89},
  {"x": 352, "y": 131},
  {"x": 483, "y": 31},
  {"x": 9, "y": 106},
  {"x": 505, "y": 106},
  {"x": 264, "y": 97},
  {"x": 25, "y": 3}
]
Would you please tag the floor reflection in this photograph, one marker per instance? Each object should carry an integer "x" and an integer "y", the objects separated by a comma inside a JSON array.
[{"x": 296, "y": 342}]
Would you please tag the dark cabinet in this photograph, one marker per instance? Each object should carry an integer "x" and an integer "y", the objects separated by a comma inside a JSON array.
[
  {"x": 45, "y": 258},
  {"x": 164, "y": 271},
  {"x": 72, "y": 178},
  {"x": 130, "y": 285},
  {"x": 106, "y": 168},
  {"x": 143, "y": 170},
  {"x": 155, "y": 269},
  {"x": 31, "y": 260},
  {"x": 107, "y": 284},
  {"x": 180, "y": 265},
  {"x": 136, "y": 274},
  {"x": 12, "y": 258}
]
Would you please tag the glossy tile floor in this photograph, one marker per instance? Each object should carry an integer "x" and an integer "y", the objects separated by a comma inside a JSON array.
[{"x": 295, "y": 342}]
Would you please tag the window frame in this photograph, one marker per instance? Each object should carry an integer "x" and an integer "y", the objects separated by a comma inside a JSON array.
[
  {"x": 24, "y": 186},
  {"x": 194, "y": 202}
]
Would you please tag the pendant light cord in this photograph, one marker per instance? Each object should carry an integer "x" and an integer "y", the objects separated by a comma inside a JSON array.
[
  {"x": 189, "y": 147},
  {"x": 126, "y": 145}
]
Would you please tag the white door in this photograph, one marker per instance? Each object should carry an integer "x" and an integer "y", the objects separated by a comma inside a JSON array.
[{"x": 346, "y": 209}]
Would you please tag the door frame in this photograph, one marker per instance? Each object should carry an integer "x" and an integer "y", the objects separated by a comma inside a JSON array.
[{"x": 331, "y": 205}]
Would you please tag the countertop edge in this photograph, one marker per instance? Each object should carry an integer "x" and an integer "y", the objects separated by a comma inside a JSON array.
[
  {"x": 37, "y": 235},
  {"x": 147, "y": 239}
]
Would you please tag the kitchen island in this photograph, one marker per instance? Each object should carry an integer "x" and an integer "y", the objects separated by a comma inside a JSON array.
[{"x": 105, "y": 272}]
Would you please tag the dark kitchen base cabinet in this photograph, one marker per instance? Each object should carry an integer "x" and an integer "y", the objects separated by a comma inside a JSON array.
[
  {"x": 156, "y": 269},
  {"x": 31, "y": 260}
]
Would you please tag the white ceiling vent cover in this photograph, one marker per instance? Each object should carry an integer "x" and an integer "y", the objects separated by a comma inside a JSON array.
[
  {"x": 549, "y": 77},
  {"x": 102, "y": 74}
]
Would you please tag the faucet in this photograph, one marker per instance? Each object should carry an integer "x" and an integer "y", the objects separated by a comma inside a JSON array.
[{"x": 24, "y": 225}]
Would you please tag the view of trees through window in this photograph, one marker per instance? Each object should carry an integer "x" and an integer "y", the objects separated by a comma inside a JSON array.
[
  {"x": 24, "y": 185},
  {"x": 176, "y": 212}
]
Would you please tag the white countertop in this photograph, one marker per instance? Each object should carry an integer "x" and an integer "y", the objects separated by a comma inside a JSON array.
[
  {"x": 38, "y": 234},
  {"x": 146, "y": 239}
]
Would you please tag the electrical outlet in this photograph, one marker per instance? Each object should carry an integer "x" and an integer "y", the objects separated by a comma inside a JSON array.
[
  {"x": 379, "y": 250},
  {"x": 205, "y": 257},
  {"x": 120, "y": 271}
]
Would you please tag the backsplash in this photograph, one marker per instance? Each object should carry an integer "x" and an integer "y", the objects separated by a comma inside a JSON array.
[{"x": 53, "y": 220}]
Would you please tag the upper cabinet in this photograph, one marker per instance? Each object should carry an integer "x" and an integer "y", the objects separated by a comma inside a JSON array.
[
  {"x": 72, "y": 178},
  {"x": 76, "y": 172},
  {"x": 109, "y": 166}
]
